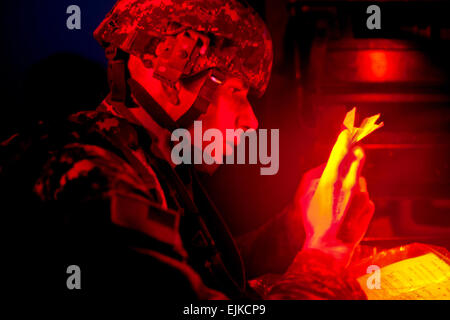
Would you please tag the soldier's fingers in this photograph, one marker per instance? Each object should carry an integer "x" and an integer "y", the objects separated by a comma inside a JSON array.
[
  {"x": 357, "y": 219},
  {"x": 352, "y": 176},
  {"x": 362, "y": 184}
]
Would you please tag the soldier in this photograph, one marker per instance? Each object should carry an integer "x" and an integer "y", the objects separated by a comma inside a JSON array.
[{"x": 107, "y": 196}]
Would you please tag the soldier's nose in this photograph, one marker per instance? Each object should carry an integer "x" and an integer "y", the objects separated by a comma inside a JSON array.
[{"x": 247, "y": 119}]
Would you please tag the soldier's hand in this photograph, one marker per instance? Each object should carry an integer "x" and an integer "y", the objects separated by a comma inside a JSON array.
[{"x": 334, "y": 203}]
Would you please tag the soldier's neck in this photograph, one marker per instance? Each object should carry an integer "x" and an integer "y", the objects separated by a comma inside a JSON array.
[
  {"x": 162, "y": 142},
  {"x": 137, "y": 115}
]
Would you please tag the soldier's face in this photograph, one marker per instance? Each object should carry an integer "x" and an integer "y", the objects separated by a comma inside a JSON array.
[{"x": 230, "y": 109}]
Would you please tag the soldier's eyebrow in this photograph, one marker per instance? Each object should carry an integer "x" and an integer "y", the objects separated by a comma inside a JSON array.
[{"x": 237, "y": 83}]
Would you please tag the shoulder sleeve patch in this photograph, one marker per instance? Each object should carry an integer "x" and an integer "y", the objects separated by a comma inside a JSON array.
[{"x": 135, "y": 212}]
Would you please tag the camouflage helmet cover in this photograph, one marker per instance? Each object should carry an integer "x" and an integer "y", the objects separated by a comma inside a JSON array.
[{"x": 235, "y": 39}]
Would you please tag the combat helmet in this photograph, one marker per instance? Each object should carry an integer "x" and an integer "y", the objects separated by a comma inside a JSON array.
[{"x": 183, "y": 38}]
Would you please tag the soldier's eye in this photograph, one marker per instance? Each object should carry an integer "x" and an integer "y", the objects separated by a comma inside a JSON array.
[{"x": 235, "y": 89}]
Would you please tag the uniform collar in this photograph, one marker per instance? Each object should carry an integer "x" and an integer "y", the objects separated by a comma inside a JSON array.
[{"x": 160, "y": 137}]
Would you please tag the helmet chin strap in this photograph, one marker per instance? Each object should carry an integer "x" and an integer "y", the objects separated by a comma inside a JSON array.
[
  {"x": 214, "y": 79},
  {"x": 122, "y": 90},
  {"x": 199, "y": 107},
  {"x": 146, "y": 101}
]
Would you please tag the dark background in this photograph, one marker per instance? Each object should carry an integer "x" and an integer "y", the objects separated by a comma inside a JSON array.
[{"x": 326, "y": 61}]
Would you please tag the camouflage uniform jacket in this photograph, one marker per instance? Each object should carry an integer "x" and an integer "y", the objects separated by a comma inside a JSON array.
[{"x": 86, "y": 173}]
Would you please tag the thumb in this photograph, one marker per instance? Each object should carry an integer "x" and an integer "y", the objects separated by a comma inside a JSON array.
[
  {"x": 337, "y": 155},
  {"x": 349, "y": 173}
]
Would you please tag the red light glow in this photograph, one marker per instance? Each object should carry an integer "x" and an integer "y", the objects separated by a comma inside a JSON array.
[{"x": 373, "y": 65}]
